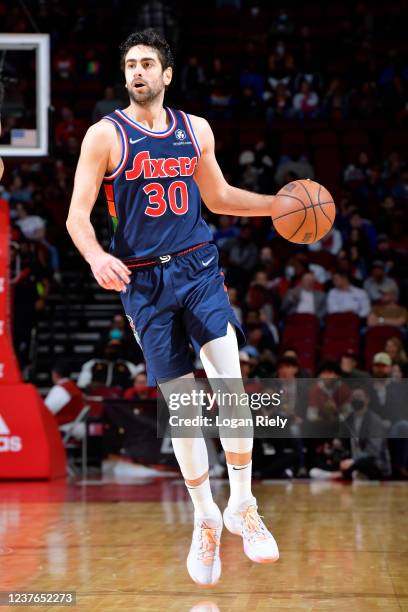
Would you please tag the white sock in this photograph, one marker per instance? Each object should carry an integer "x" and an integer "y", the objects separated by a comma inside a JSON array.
[
  {"x": 204, "y": 505},
  {"x": 240, "y": 477}
]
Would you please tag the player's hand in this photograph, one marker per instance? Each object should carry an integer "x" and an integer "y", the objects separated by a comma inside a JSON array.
[{"x": 110, "y": 272}]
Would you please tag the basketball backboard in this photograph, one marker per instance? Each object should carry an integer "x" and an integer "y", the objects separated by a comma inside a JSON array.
[{"x": 25, "y": 78}]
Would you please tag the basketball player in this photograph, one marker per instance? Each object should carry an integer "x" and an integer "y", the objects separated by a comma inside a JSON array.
[{"x": 155, "y": 163}]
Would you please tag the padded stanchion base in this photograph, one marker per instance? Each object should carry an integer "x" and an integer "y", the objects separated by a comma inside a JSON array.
[{"x": 30, "y": 443}]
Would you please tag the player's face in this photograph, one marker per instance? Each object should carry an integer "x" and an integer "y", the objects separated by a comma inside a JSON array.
[{"x": 145, "y": 77}]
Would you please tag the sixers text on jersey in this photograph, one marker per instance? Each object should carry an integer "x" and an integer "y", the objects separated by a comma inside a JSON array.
[{"x": 153, "y": 200}]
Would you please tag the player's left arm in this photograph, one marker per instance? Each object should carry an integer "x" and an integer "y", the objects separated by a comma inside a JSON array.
[{"x": 217, "y": 194}]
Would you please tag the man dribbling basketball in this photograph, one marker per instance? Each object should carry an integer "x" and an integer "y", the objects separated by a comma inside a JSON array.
[{"x": 154, "y": 163}]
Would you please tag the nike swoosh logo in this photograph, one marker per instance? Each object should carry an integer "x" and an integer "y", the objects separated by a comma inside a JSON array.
[
  {"x": 207, "y": 263},
  {"x": 243, "y": 468},
  {"x": 137, "y": 140}
]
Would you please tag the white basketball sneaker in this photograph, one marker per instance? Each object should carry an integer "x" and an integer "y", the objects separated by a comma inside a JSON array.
[
  {"x": 203, "y": 561},
  {"x": 259, "y": 544}
]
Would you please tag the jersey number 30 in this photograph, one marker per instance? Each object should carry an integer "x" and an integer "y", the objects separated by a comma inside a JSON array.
[{"x": 177, "y": 198}]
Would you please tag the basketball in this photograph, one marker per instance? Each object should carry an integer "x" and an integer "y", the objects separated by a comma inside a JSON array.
[{"x": 303, "y": 211}]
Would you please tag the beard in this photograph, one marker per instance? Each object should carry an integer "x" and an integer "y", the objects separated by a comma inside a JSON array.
[{"x": 145, "y": 97}]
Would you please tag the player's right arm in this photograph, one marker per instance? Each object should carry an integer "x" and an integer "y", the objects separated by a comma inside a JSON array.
[{"x": 93, "y": 163}]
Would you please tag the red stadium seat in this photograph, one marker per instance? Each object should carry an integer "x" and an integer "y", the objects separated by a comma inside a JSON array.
[
  {"x": 328, "y": 165},
  {"x": 326, "y": 138},
  {"x": 352, "y": 138},
  {"x": 375, "y": 340},
  {"x": 342, "y": 333},
  {"x": 293, "y": 137},
  {"x": 322, "y": 258},
  {"x": 301, "y": 332},
  {"x": 395, "y": 141}
]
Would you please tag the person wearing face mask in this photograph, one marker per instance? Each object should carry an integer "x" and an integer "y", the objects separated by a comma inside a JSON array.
[
  {"x": 121, "y": 330},
  {"x": 369, "y": 455}
]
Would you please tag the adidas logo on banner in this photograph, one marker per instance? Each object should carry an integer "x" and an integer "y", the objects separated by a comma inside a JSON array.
[
  {"x": 8, "y": 443},
  {"x": 4, "y": 430}
]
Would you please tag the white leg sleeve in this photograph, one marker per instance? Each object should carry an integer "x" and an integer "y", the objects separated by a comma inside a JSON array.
[
  {"x": 220, "y": 359},
  {"x": 191, "y": 453}
]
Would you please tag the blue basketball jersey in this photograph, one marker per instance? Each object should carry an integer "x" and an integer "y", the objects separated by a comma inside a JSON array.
[{"x": 153, "y": 200}]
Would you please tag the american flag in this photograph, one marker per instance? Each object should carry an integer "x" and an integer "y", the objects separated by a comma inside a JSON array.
[{"x": 24, "y": 138}]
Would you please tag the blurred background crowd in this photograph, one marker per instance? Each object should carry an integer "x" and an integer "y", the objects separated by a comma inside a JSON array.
[{"x": 316, "y": 91}]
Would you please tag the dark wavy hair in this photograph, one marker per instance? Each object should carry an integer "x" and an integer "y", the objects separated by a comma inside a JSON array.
[{"x": 149, "y": 38}]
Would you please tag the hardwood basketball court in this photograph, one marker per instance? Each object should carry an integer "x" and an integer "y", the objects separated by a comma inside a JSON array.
[{"x": 124, "y": 547}]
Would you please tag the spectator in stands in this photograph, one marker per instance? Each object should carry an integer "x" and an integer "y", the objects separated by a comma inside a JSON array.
[
  {"x": 64, "y": 64},
  {"x": 234, "y": 301},
  {"x": 249, "y": 175},
  {"x": 220, "y": 88},
  {"x": 69, "y": 128},
  {"x": 246, "y": 364},
  {"x": 290, "y": 352},
  {"x": 328, "y": 397},
  {"x": 121, "y": 330},
  {"x": 243, "y": 254},
  {"x": 259, "y": 335},
  {"x": 358, "y": 172},
  {"x": 391, "y": 168},
  {"x": 357, "y": 238},
  {"x": 394, "y": 347},
  {"x": 28, "y": 223},
  {"x": 296, "y": 162},
  {"x": 279, "y": 73},
  {"x": 369, "y": 456},
  {"x": 332, "y": 243},
  {"x": 106, "y": 105},
  {"x": 282, "y": 24},
  {"x": 65, "y": 399},
  {"x": 379, "y": 281},
  {"x": 260, "y": 296},
  {"x": 251, "y": 85},
  {"x": 140, "y": 390},
  {"x": 366, "y": 237},
  {"x": 160, "y": 16},
  {"x": 335, "y": 100},
  {"x": 399, "y": 370},
  {"x": 387, "y": 400},
  {"x": 385, "y": 252},
  {"x": 111, "y": 370},
  {"x": 358, "y": 266},
  {"x": 306, "y": 101},
  {"x": 400, "y": 190},
  {"x": 30, "y": 285},
  {"x": 193, "y": 79},
  {"x": 278, "y": 102},
  {"x": 345, "y": 297},
  {"x": 20, "y": 192},
  {"x": 387, "y": 311},
  {"x": 305, "y": 298},
  {"x": 348, "y": 366},
  {"x": 226, "y": 229}
]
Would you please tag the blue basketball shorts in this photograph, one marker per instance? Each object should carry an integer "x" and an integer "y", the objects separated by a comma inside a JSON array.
[{"x": 172, "y": 305}]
